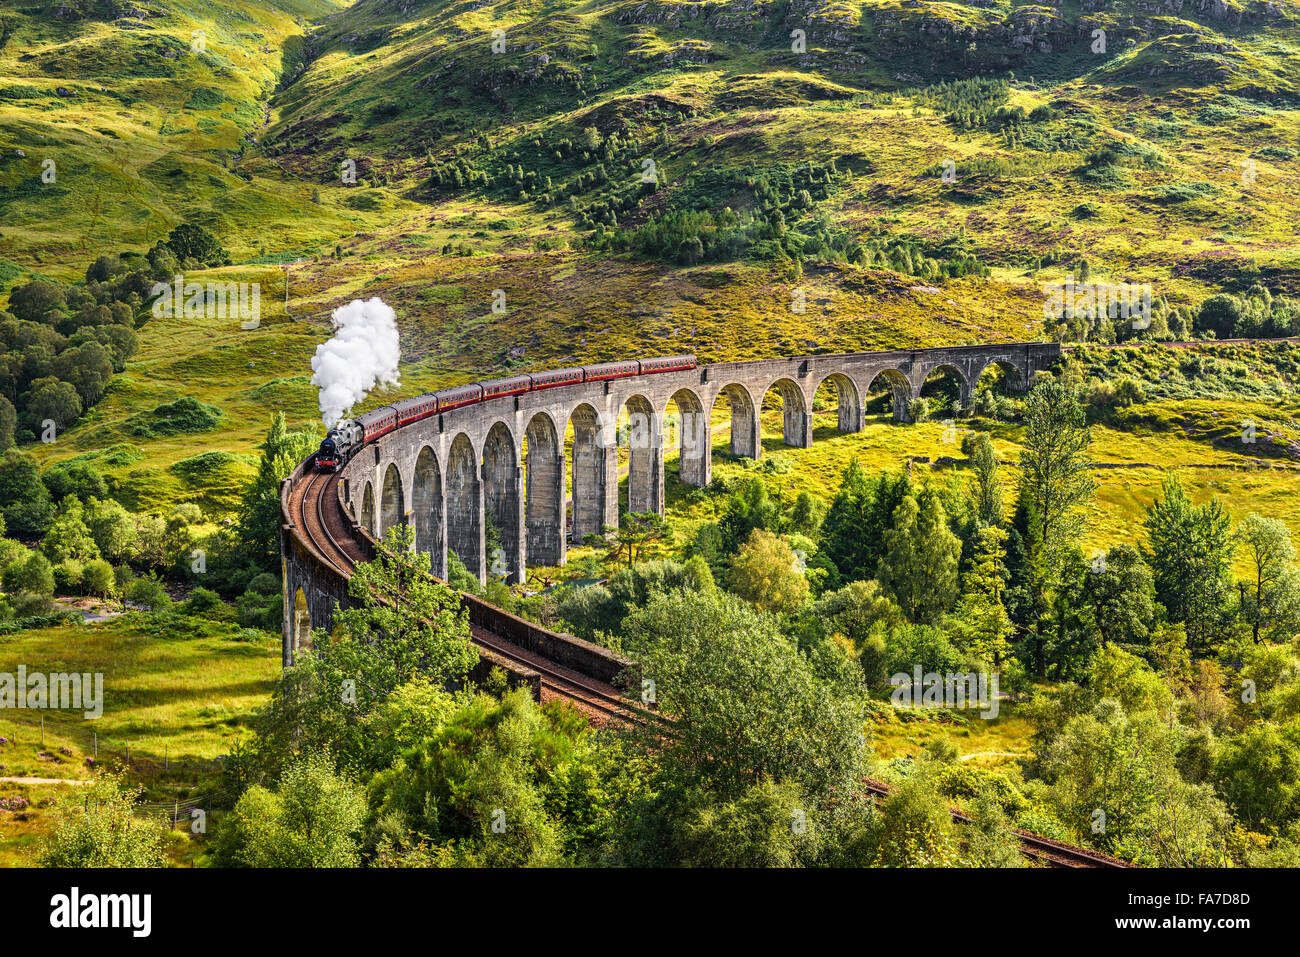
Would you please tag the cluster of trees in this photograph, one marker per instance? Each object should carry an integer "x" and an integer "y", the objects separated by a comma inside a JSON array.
[
  {"x": 86, "y": 542},
  {"x": 701, "y": 224},
  {"x": 970, "y": 103},
  {"x": 551, "y": 170},
  {"x": 61, "y": 345},
  {"x": 1257, "y": 314},
  {"x": 365, "y": 757},
  {"x": 89, "y": 544}
]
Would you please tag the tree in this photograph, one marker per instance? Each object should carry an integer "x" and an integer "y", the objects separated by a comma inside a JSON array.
[
  {"x": 74, "y": 478},
  {"x": 1219, "y": 315},
  {"x": 68, "y": 536},
  {"x": 982, "y": 626},
  {"x": 497, "y": 783},
  {"x": 97, "y": 826},
  {"x": 148, "y": 592},
  {"x": 985, "y": 486},
  {"x": 746, "y": 704},
  {"x": 313, "y": 819},
  {"x": 916, "y": 827},
  {"x": 1119, "y": 592},
  {"x": 8, "y": 424},
  {"x": 416, "y": 620},
  {"x": 51, "y": 400},
  {"x": 1191, "y": 560},
  {"x": 112, "y": 527},
  {"x": 767, "y": 573},
  {"x": 259, "y": 514},
  {"x": 1258, "y": 773},
  {"x": 97, "y": 577},
  {"x": 636, "y": 532},
  {"x": 31, "y": 576},
  {"x": 23, "y": 496},
  {"x": 1270, "y": 601},
  {"x": 1055, "y": 477},
  {"x": 919, "y": 567},
  {"x": 192, "y": 241},
  {"x": 806, "y": 514},
  {"x": 748, "y": 507}
]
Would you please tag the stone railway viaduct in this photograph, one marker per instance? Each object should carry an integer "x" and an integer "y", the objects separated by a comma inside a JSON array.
[{"x": 504, "y": 459}]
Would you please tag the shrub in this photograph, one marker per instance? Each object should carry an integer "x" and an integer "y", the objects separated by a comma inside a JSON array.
[{"x": 148, "y": 592}]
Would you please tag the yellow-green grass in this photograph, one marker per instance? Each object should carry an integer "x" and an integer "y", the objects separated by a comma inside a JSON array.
[
  {"x": 984, "y": 742},
  {"x": 183, "y": 694}
]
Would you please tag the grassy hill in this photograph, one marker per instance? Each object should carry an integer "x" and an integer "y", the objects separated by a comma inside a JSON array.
[{"x": 629, "y": 172}]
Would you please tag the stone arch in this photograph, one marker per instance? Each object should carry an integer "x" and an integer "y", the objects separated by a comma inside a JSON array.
[
  {"x": 692, "y": 435},
  {"x": 545, "y": 520},
  {"x": 931, "y": 384},
  {"x": 368, "y": 510},
  {"x": 847, "y": 399},
  {"x": 465, "y": 505},
  {"x": 796, "y": 422},
  {"x": 1013, "y": 380},
  {"x": 427, "y": 510},
  {"x": 744, "y": 420},
  {"x": 502, "y": 503},
  {"x": 392, "y": 500},
  {"x": 645, "y": 456},
  {"x": 595, "y": 454},
  {"x": 900, "y": 391}
]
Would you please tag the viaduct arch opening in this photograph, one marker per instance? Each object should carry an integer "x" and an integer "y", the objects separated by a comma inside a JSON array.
[
  {"x": 465, "y": 506},
  {"x": 593, "y": 448},
  {"x": 545, "y": 516},
  {"x": 502, "y": 502},
  {"x": 301, "y": 622},
  {"x": 796, "y": 422},
  {"x": 368, "y": 510},
  {"x": 837, "y": 391},
  {"x": 946, "y": 390},
  {"x": 744, "y": 419},
  {"x": 889, "y": 392},
  {"x": 689, "y": 433},
  {"x": 427, "y": 510},
  {"x": 641, "y": 437},
  {"x": 392, "y": 508}
]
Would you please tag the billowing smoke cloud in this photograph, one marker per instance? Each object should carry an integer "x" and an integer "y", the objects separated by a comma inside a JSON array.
[{"x": 362, "y": 355}]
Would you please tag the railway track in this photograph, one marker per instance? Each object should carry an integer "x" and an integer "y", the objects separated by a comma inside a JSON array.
[
  {"x": 313, "y": 505},
  {"x": 1041, "y": 850}
]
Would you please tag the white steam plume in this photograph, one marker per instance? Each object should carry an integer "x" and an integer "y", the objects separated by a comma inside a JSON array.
[{"x": 362, "y": 355}]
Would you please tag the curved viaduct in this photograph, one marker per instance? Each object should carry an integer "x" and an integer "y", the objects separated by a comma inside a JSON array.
[{"x": 503, "y": 462}]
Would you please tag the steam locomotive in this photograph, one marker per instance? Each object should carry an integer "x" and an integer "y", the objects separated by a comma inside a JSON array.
[{"x": 348, "y": 437}]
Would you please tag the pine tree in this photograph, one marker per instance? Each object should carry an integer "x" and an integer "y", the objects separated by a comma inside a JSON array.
[
  {"x": 919, "y": 567},
  {"x": 983, "y": 626},
  {"x": 1055, "y": 475},
  {"x": 1191, "y": 559},
  {"x": 986, "y": 487}
]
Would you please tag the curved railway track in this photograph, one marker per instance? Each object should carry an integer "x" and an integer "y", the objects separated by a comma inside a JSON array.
[
  {"x": 1041, "y": 850},
  {"x": 313, "y": 505},
  {"x": 314, "y": 508}
]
